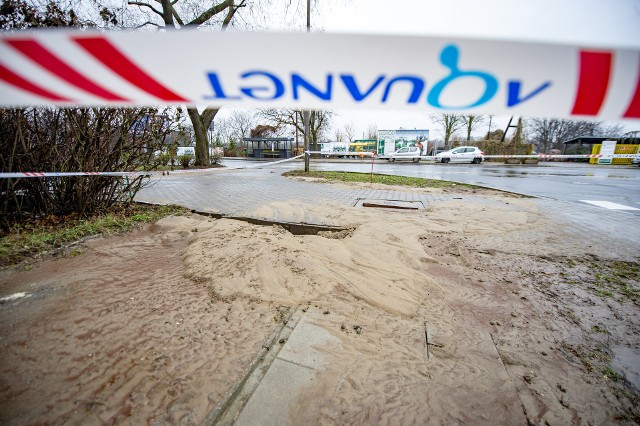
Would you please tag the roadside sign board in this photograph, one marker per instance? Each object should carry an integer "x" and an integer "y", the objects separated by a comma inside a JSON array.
[{"x": 607, "y": 150}]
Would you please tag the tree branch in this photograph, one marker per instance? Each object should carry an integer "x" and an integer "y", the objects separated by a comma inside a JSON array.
[
  {"x": 167, "y": 16},
  {"x": 175, "y": 14},
  {"x": 214, "y": 10},
  {"x": 147, "y": 23},
  {"x": 208, "y": 115},
  {"x": 137, "y": 3},
  {"x": 232, "y": 11}
]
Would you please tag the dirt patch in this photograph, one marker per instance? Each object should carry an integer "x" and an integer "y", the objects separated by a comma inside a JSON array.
[{"x": 468, "y": 311}]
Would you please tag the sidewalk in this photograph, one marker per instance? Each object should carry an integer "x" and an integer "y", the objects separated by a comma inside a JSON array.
[{"x": 242, "y": 192}]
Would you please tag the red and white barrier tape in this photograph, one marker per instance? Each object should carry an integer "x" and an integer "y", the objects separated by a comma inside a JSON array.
[
  {"x": 250, "y": 69},
  {"x": 64, "y": 174}
]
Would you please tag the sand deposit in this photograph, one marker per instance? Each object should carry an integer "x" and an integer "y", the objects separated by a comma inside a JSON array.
[{"x": 155, "y": 327}]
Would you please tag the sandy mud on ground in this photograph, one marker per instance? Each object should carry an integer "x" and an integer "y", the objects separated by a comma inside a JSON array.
[
  {"x": 118, "y": 335},
  {"x": 478, "y": 310}
]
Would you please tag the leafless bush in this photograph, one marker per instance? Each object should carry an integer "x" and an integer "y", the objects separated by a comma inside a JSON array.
[{"x": 72, "y": 140}]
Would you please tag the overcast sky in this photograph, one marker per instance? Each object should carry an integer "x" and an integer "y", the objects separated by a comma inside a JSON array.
[{"x": 593, "y": 23}]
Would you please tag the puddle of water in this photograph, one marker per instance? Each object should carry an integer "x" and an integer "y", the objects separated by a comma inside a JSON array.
[
  {"x": 627, "y": 361},
  {"x": 508, "y": 173},
  {"x": 14, "y": 296}
]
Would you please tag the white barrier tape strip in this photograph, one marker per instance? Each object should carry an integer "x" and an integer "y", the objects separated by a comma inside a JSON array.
[
  {"x": 354, "y": 71},
  {"x": 542, "y": 156},
  {"x": 187, "y": 171},
  {"x": 355, "y": 154},
  {"x": 260, "y": 164},
  {"x": 64, "y": 174},
  {"x": 271, "y": 163}
]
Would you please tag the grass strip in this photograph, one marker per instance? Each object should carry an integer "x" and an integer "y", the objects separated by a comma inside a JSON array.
[
  {"x": 44, "y": 234},
  {"x": 412, "y": 182}
]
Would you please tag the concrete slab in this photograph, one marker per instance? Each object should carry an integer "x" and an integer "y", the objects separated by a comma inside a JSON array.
[
  {"x": 303, "y": 344},
  {"x": 294, "y": 368},
  {"x": 270, "y": 403}
]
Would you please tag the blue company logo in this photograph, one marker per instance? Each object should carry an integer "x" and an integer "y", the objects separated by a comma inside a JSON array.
[{"x": 264, "y": 85}]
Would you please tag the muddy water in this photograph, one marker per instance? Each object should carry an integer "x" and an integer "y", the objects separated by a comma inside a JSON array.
[{"x": 117, "y": 335}]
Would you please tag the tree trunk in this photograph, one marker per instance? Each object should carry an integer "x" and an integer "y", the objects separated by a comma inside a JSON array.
[
  {"x": 447, "y": 136},
  {"x": 201, "y": 123}
]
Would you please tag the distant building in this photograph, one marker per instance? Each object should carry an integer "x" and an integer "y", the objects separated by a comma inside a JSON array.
[
  {"x": 584, "y": 144},
  {"x": 392, "y": 140}
]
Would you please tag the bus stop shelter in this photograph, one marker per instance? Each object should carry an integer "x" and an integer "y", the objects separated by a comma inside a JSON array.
[{"x": 268, "y": 147}]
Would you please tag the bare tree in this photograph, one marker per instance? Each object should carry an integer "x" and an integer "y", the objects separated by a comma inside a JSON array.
[
  {"x": 349, "y": 131},
  {"x": 241, "y": 122},
  {"x": 372, "y": 131},
  {"x": 320, "y": 121},
  {"x": 185, "y": 14},
  {"x": 611, "y": 129},
  {"x": 339, "y": 137},
  {"x": 471, "y": 123},
  {"x": 223, "y": 131},
  {"x": 550, "y": 133},
  {"x": 449, "y": 123}
]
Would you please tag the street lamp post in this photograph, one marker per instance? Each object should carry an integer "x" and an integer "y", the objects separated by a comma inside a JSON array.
[{"x": 305, "y": 114}]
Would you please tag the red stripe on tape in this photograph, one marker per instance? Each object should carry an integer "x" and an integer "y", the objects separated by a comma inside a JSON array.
[
  {"x": 634, "y": 107},
  {"x": 106, "y": 53},
  {"x": 37, "y": 53},
  {"x": 15, "y": 80},
  {"x": 595, "y": 68}
]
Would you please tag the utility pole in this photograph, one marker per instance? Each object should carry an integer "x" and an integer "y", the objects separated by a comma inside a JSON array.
[
  {"x": 489, "y": 132},
  {"x": 306, "y": 116},
  {"x": 296, "y": 126}
]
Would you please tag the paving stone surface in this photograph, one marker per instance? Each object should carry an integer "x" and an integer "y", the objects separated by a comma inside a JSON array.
[{"x": 235, "y": 192}]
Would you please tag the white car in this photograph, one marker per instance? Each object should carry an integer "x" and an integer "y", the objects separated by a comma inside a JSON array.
[
  {"x": 409, "y": 153},
  {"x": 461, "y": 154}
]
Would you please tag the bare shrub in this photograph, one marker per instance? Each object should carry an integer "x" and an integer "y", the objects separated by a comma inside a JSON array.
[{"x": 74, "y": 140}]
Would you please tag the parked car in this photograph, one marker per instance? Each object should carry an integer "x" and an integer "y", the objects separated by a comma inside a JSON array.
[
  {"x": 409, "y": 153},
  {"x": 636, "y": 160},
  {"x": 461, "y": 154}
]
